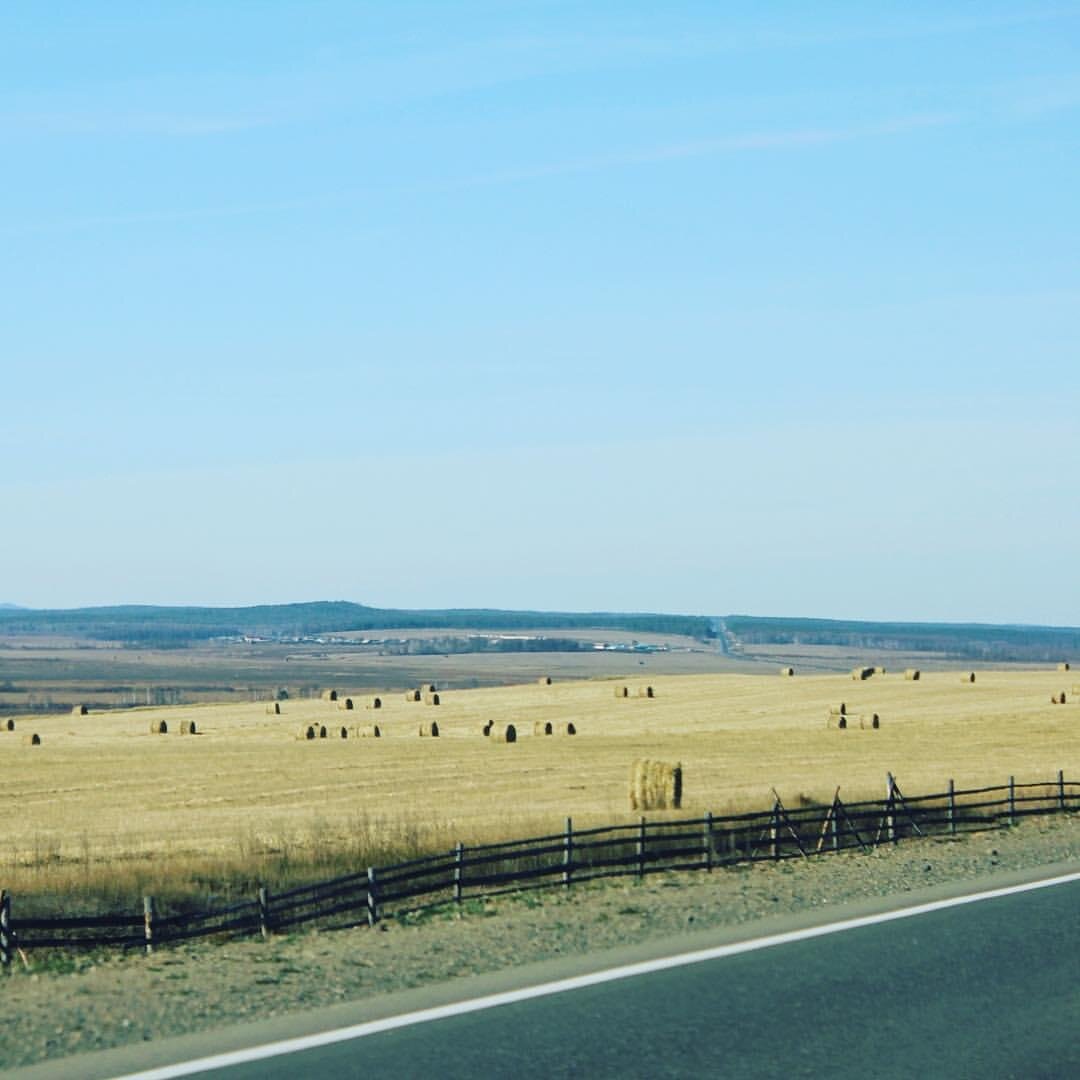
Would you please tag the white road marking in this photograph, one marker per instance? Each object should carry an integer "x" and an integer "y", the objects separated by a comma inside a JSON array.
[{"x": 578, "y": 982}]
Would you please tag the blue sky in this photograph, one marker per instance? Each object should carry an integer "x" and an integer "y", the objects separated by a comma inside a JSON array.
[{"x": 683, "y": 307}]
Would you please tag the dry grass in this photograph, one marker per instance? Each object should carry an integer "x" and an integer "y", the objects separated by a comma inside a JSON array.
[{"x": 106, "y": 801}]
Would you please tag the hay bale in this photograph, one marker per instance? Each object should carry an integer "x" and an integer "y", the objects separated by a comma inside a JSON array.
[
  {"x": 1057, "y": 699},
  {"x": 841, "y": 723},
  {"x": 306, "y": 731},
  {"x": 159, "y": 727},
  {"x": 655, "y": 785},
  {"x": 431, "y": 699},
  {"x": 9, "y": 724},
  {"x": 544, "y": 680},
  {"x": 273, "y": 710},
  {"x": 369, "y": 731},
  {"x": 33, "y": 739},
  {"x": 543, "y": 727},
  {"x": 79, "y": 710},
  {"x": 412, "y": 695},
  {"x": 570, "y": 729},
  {"x": 187, "y": 727},
  {"x": 622, "y": 691},
  {"x": 838, "y": 710},
  {"x": 347, "y": 704},
  {"x": 343, "y": 732},
  {"x": 428, "y": 688},
  {"x": 1063, "y": 666},
  {"x": 860, "y": 674},
  {"x": 912, "y": 674},
  {"x": 376, "y": 703},
  {"x": 507, "y": 734},
  {"x": 431, "y": 729},
  {"x": 871, "y": 722},
  {"x": 329, "y": 695},
  {"x": 322, "y": 731},
  {"x": 646, "y": 692},
  {"x": 879, "y": 671},
  {"x": 787, "y": 672},
  {"x": 968, "y": 677},
  {"x": 487, "y": 728}
]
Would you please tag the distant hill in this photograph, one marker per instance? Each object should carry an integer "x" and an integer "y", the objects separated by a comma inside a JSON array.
[
  {"x": 967, "y": 641},
  {"x": 169, "y": 626}
]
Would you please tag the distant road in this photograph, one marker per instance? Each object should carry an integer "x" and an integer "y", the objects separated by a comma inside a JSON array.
[{"x": 983, "y": 989}]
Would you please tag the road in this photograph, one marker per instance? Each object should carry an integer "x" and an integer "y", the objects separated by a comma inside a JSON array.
[{"x": 966, "y": 989}]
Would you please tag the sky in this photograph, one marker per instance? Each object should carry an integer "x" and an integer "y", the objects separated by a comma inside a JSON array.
[{"x": 683, "y": 307}]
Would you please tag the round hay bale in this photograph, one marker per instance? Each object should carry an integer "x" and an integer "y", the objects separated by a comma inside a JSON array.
[
  {"x": 505, "y": 735},
  {"x": 273, "y": 710},
  {"x": 348, "y": 703},
  {"x": 343, "y": 732},
  {"x": 968, "y": 677},
  {"x": 369, "y": 731},
  {"x": 787, "y": 672},
  {"x": 306, "y": 731},
  {"x": 376, "y": 703},
  {"x": 570, "y": 729},
  {"x": 187, "y": 727},
  {"x": 646, "y": 692},
  {"x": 79, "y": 710},
  {"x": 412, "y": 695},
  {"x": 9, "y": 724},
  {"x": 33, "y": 739},
  {"x": 159, "y": 727},
  {"x": 622, "y": 691},
  {"x": 841, "y": 723},
  {"x": 322, "y": 731},
  {"x": 431, "y": 699},
  {"x": 543, "y": 727},
  {"x": 329, "y": 695},
  {"x": 431, "y": 729},
  {"x": 1063, "y": 666},
  {"x": 912, "y": 674},
  {"x": 428, "y": 688},
  {"x": 871, "y": 722},
  {"x": 486, "y": 730},
  {"x": 655, "y": 785},
  {"x": 544, "y": 680}
]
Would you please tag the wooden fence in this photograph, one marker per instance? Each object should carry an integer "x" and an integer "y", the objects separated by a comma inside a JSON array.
[{"x": 560, "y": 859}]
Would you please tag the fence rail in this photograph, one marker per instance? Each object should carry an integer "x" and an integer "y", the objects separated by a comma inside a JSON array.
[{"x": 558, "y": 859}]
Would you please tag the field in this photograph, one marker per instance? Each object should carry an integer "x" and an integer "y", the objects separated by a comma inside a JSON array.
[{"x": 104, "y": 805}]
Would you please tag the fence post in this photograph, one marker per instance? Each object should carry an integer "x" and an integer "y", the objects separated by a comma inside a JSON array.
[
  {"x": 641, "y": 849},
  {"x": 1012, "y": 800},
  {"x": 264, "y": 912},
  {"x": 834, "y": 824},
  {"x": 952, "y": 807},
  {"x": 372, "y": 899},
  {"x": 1061, "y": 789},
  {"x": 774, "y": 830},
  {"x": 568, "y": 853},
  {"x": 708, "y": 841},
  {"x": 5, "y": 928},
  {"x": 459, "y": 866},
  {"x": 148, "y": 924},
  {"x": 890, "y": 816}
]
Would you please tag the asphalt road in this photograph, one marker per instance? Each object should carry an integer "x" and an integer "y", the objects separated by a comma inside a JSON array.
[{"x": 990, "y": 989}]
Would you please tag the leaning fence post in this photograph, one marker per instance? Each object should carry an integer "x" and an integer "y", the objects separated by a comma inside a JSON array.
[
  {"x": 890, "y": 816},
  {"x": 952, "y": 807},
  {"x": 641, "y": 849},
  {"x": 459, "y": 866},
  {"x": 708, "y": 841},
  {"x": 264, "y": 912},
  {"x": 1012, "y": 800},
  {"x": 5, "y": 928},
  {"x": 148, "y": 924},
  {"x": 372, "y": 899},
  {"x": 774, "y": 830},
  {"x": 1061, "y": 789},
  {"x": 568, "y": 853}
]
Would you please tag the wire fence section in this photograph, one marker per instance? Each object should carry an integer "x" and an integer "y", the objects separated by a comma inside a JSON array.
[{"x": 561, "y": 859}]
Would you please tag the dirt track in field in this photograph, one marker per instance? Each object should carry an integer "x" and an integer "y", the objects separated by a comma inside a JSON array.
[{"x": 67, "y": 1006}]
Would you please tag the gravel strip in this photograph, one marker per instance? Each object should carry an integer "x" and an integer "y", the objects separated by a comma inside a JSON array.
[{"x": 77, "y": 1003}]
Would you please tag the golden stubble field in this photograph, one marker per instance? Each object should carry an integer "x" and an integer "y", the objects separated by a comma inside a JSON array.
[{"x": 102, "y": 790}]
